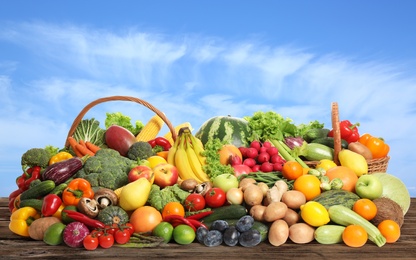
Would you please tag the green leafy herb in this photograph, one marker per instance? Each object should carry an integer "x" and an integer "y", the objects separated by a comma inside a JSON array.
[{"x": 213, "y": 167}]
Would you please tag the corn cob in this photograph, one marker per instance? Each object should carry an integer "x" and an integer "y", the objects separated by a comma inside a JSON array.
[
  {"x": 168, "y": 135},
  {"x": 151, "y": 129}
]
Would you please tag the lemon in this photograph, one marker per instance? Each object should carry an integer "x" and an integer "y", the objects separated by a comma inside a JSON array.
[
  {"x": 326, "y": 164},
  {"x": 164, "y": 230},
  {"x": 314, "y": 214},
  {"x": 155, "y": 160},
  {"x": 183, "y": 234}
]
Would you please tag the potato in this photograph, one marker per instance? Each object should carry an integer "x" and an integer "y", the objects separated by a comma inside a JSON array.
[
  {"x": 278, "y": 232},
  {"x": 275, "y": 210},
  {"x": 359, "y": 148},
  {"x": 253, "y": 195},
  {"x": 301, "y": 233},
  {"x": 245, "y": 182},
  {"x": 39, "y": 226},
  {"x": 293, "y": 199},
  {"x": 291, "y": 217},
  {"x": 257, "y": 212}
]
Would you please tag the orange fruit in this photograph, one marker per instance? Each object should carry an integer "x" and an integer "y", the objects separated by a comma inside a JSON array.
[
  {"x": 145, "y": 219},
  {"x": 309, "y": 185},
  {"x": 366, "y": 208},
  {"x": 390, "y": 230},
  {"x": 228, "y": 150},
  {"x": 292, "y": 170},
  {"x": 348, "y": 176},
  {"x": 354, "y": 236},
  {"x": 173, "y": 208}
]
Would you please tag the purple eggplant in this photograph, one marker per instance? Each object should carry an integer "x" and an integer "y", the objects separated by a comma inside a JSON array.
[{"x": 61, "y": 171}]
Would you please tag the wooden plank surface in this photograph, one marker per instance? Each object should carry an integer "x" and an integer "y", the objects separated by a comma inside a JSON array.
[{"x": 15, "y": 247}]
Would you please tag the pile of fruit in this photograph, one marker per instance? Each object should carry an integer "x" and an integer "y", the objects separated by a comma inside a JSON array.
[{"x": 235, "y": 182}]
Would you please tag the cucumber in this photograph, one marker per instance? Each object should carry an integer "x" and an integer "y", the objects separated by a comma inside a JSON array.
[
  {"x": 38, "y": 191},
  {"x": 59, "y": 189},
  {"x": 315, "y": 133},
  {"x": 226, "y": 212},
  {"x": 34, "y": 203},
  {"x": 329, "y": 234},
  {"x": 317, "y": 152},
  {"x": 259, "y": 226},
  {"x": 329, "y": 141}
]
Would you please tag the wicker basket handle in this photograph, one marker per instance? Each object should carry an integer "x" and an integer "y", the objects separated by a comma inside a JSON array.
[
  {"x": 337, "y": 131},
  {"x": 78, "y": 119}
]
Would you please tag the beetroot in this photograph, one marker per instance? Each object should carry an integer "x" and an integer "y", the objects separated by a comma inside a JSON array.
[{"x": 74, "y": 234}]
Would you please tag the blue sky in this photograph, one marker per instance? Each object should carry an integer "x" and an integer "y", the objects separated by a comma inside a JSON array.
[{"x": 198, "y": 59}]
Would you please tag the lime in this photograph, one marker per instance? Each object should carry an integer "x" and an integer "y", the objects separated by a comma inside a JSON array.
[
  {"x": 164, "y": 230},
  {"x": 54, "y": 234},
  {"x": 183, "y": 234}
]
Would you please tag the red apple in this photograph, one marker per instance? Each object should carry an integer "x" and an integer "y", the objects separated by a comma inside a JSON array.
[
  {"x": 165, "y": 174},
  {"x": 241, "y": 169},
  {"x": 141, "y": 171}
]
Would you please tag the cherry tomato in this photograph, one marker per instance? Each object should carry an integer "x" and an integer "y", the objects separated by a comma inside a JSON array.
[
  {"x": 122, "y": 236},
  {"x": 90, "y": 242},
  {"x": 194, "y": 202},
  {"x": 111, "y": 229},
  {"x": 97, "y": 233},
  {"x": 106, "y": 240},
  {"x": 129, "y": 227},
  {"x": 215, "y": 197}
]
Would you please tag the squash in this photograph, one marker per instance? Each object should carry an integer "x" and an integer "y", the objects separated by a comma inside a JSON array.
[
  {"x": 113, "y": 215},
  {"x": 337, "y": 197},
  {"x": 231, "y": 130}
]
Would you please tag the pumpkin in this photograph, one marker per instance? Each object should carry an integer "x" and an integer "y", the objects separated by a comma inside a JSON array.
[
  {"x": 231, "y": 130},
  {"x": 113, "y": 215}
]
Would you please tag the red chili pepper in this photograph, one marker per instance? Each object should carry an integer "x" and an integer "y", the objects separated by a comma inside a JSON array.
[
  {"x": 173, "y": 218},
  {"x": 31, "y": 174},
  {"x": 50, "y": 204},
  {"x": 200, "y": 215},
  {"x": 78, "y": 216},
  {"x": 349, "y": 132},
  {"x": 12, "y": 197},
  {"x": 197, "y": 223}
]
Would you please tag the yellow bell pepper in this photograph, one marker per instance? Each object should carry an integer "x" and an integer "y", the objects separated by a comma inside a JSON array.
[
  {"x": 21, "y": 219},
  {"x": 61, "y": 156}
]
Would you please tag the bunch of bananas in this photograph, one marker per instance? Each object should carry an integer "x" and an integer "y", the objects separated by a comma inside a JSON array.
[{"x": 186, "y": 155}]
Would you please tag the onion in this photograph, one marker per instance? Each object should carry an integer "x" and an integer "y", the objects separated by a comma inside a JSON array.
[
  {"x": 235, "y": 196},
  {"x": 293, "y": 142}
]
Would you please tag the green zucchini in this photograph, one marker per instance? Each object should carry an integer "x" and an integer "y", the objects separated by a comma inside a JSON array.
[
  {"x": 315, "y": 133},
  {"x": 329, "y": 234},
  {"x": 38, "y": 191},
  {"x": 317, "y": 152},
  {"x": 34, "y": 203},
  {"x": 259, "y": 226},
  {"x": 344, "y": 216},
  {"x": 329, "y": 141},
  {"x": 226, "y": 212}
]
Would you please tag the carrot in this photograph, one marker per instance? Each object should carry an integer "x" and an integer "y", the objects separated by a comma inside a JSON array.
[
  {"x": 82, "y": 142},
  {"x": 84, "y": 150},
  {"x": 73, "y": 143},
  {"x": 94, "y": 148}
]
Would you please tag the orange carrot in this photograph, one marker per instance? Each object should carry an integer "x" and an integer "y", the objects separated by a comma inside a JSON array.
[
  {"x": 73, "y": 143},
  {"x": 94, "y": 148},
  {"x": 82, "y": 142},
  {"x": 84, "y": 150}
]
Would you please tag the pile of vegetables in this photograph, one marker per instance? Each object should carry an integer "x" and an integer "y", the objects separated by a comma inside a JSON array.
[{"x": 81, "y": 195}]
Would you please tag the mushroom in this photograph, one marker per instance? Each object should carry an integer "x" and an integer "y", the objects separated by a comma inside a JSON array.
[
  {"x": 189, "y": 185},
  {"x": 105, "y": 197},
  {"x": 203, "y": 188},
  {"x": 88, "y": 206}
]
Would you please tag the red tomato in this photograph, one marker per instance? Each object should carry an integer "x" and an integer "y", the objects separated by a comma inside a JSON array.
[
  {"x": 90, "y": 242},
  {"x": 106, "y": 240},
  {"x": 111, "y": 229},
  {"x": 130, "y": 228},
  {"x": 194, "y": 202},
  {"x": 215, "y": 197},
  {"x": 122, "y": 236}
]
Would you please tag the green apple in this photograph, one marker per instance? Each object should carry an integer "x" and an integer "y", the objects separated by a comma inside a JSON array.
[
  {"x": 225, "y": 181},
  {"x": 369, "y": 187}
]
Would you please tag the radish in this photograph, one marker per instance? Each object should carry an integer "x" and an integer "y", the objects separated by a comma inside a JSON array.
[{"x": 74, "y": 234}]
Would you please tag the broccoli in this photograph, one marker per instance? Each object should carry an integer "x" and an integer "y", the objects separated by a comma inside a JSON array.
[
  {"x": 35, "y": 157},
  {"x": 106, "y": 169},
  {"x": 140, "y": 151}
]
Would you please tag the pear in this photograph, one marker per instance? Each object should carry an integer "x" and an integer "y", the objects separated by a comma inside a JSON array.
[
  {"x": 135, "y": 194},
  {"x": 354, "y": 161}
]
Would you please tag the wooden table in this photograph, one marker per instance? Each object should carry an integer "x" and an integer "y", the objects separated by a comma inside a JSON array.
[{"x": 15, "y": 247}]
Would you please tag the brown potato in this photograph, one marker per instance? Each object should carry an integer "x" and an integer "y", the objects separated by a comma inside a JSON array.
[
  {"x": 301, "y": 233},
  {"x": 293, "y": 199},
  {"x": 39, "y": 226},
  {"x": 275, "y": 210},
  {"x": 360, "y": 149},
  {"x": 253, "y": 195},
  {"x": 257, "y": 212},
  {"x": 291, "y": 217},
  {"x": 278, "y": 232}
]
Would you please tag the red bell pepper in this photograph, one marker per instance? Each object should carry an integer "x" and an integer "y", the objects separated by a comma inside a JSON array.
[
  {"x": 33, "y": 173},
  {"x": 162, "y": 142},
  {"x": 50, "y": 204},
  {"x": 349, "y": 131}
]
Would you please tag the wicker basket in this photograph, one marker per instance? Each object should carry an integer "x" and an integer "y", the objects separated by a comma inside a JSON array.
[
  {"x": 80, "y": 116},
  {"x": 374, "y": 165}
]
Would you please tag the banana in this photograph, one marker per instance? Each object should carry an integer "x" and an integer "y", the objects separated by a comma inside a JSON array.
[
  {"x": 194, "y": 161},
  {"x": 198, "y": 148},
  {"x": 182, "y": 163},
  {"x": 172, "y": 151}
]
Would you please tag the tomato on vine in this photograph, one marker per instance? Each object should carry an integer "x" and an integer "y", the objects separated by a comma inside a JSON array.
[
  {"x": 122, "y": 236},
  {"x": 90, "y": 242},
  {"x": 106, "y": 240},
  {"x": 129, "y": 227}
]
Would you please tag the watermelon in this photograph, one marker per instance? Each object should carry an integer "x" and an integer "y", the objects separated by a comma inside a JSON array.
[
  {"x": 337, "y": 197},
  {"x": 232, "y": 130}
]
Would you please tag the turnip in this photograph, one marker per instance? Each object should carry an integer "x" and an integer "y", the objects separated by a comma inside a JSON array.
[{"x": 74, "y": 234}]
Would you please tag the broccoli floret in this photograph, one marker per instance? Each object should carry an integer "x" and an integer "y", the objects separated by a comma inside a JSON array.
[
  {"x": 140, "y": 150},
  {"x": 35, "y": 157},
  {"x": 106, "y": 169}
]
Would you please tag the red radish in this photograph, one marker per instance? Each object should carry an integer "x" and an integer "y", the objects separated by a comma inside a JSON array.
[
  {"x": 267, "y": 144},
  {"x": 243, "y": 151},
  {"x": 276, "y": 158},
  {"x": 250, "y": 162},
  {"x": 256, "y": 145},
  {"x": 263, "y": 157},
  {"x": 235, "y": 160},
  {"x": 74, "y": 234},
  {"x": 263, "y": 149},
  {"x": 256, "y": 168},
  {"x": 272, "y": 151},
  {"x": 266, "y": 167},
  {"x": 252, "y": 153},
  {"x": 277, "y": 167}
]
